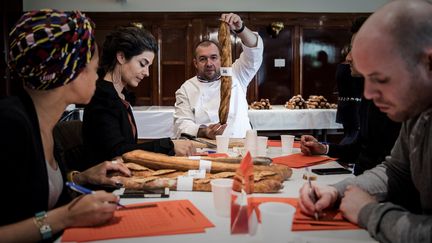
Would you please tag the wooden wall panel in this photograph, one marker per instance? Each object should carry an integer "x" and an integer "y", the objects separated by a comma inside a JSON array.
[
  {"x": 303, "y": 36},
  {"x": 321, "y": 52},
  {"x": 276, "y": 83}
]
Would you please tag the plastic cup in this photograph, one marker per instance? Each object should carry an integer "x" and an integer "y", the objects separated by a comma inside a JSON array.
[
  {"x": 251, "y": 142},
  {"x": 276, "y": 221},
  {"x": 221, "y": 189},
  {"x": 287, "y": 144},
  {"x": 262, "y": 146},
  {"x": 222, "y": 143}
]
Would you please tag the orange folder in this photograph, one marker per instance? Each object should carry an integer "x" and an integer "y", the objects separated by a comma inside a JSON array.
[
  {"x": 300, "y": 160},
  {"x": 329, "y": 220},
  {"x": 146, "y": 219}
]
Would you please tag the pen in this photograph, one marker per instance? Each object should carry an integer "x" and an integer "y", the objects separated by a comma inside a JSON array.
[
  {"x": 84, "y": 190},
  {"x": 312, "y": 193}
]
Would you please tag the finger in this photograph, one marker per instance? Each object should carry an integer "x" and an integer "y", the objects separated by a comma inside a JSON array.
[
  {"x": 229, "y": 18},
  {"x": 118, "y": 167},
  {"x": 322, "y": 203},
  {"x": 212, "y": 126},
  {"x": 306, "y": 200},
  {"x": 305, "y": 150}
]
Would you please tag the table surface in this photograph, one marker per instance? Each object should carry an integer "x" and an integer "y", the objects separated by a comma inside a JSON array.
[{"x": 221, "y": 232}]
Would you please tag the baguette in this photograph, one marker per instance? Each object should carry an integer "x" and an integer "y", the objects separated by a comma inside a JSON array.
[
  {"x": 262, "y": 186},
  {"x": 156, "y": 161}
]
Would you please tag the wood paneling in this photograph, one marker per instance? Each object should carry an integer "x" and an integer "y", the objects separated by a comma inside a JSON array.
[{"x": 303, "y": 37}]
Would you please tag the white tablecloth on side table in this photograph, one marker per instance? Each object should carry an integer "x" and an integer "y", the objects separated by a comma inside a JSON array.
[
  {"x": 158, "y": 121},
  {"x": 280, "y": 118}
]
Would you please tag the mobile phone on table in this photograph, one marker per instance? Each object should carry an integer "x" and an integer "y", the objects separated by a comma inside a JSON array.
[
  {"x": 146, "y": 193},
  {"x": 331, "y": 171}
]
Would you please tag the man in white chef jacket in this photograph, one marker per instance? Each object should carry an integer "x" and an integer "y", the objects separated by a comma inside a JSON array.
[{"x": 197, "y": 100}]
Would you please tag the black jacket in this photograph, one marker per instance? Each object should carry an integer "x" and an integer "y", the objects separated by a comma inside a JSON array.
[
  {"x": 350, "y": 91},
  {"x": 24, "y": 172},
  {"x": 107, "y": 131},
  {"x": 375, "y": 140}
]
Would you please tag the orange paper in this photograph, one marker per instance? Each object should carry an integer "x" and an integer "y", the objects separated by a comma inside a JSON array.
[
  {"x": 278, "y": 143},
  {"x": 300, "y": 160},
  {"x": 146, "y": 219},
  {"x": 329, "y": 220}
]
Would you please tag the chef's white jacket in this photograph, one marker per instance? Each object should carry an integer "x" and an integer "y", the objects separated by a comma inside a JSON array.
[{"x": 197, "y": 103}]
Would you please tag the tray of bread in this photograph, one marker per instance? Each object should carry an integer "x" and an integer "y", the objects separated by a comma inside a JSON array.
[
  {"x": 154, "y": 170},
  {"x": 313, "y": 102},
  {"x": 262, "y": 104}
]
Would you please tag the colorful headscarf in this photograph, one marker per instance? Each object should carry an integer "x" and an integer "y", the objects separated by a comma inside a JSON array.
[{"x": 49, "y": 48}]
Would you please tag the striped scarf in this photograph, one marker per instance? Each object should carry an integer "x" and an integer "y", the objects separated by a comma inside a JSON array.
[{"x": 49, "y": 48}]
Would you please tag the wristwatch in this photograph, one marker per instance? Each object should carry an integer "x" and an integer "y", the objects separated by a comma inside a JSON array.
[{"x": 44, "y": 227}]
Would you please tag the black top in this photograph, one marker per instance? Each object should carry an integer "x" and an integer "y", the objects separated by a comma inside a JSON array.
[
  {"x": 350, "y": 91},
  {"x": 25, "y": 178},
  {"x": 375, "y": 140},
  {"x": 109, "y": 128}
]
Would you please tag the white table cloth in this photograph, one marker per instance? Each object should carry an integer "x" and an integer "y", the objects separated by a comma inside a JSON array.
[
  {"x": 157, "y": 121},
  {"x": 221, "y": 232}
]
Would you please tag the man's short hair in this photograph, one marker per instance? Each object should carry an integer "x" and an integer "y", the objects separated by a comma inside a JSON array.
[
  {"x": 206, "y": 43},
  {"x": 411, "y": 34}
]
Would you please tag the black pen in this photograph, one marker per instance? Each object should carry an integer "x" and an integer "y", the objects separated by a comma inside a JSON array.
[{"x": 85, "y": 191}]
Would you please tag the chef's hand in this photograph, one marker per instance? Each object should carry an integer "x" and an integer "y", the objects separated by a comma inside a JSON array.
[{"x": 211, "y": 131}]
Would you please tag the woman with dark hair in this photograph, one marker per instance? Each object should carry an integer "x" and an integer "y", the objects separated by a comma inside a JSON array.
[
  {"x": 55, "y": 56},
  {"x": 109, "y": 128}
]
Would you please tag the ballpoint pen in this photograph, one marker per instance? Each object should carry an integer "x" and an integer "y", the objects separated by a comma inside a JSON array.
[
  {"x": 312, "y": 193},
  {"x": 84, "y": 190}
]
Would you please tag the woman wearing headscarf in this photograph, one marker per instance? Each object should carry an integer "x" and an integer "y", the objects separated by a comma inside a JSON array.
[
  {"x": 109, "y": 127},
  {"x": 54, "y": 54}
]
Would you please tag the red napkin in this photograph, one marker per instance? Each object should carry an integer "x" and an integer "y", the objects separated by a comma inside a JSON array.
[{"x": 300, "y": 160}]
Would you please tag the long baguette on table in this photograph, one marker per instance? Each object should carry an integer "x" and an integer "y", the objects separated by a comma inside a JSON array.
[{"x": 158, "y": 161}]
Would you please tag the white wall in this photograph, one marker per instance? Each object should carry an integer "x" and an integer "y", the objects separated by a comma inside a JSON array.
[{"x": 208, "y": 5}]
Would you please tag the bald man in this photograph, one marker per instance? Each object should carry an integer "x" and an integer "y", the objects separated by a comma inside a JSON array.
[{"x": 393, "y": 201}]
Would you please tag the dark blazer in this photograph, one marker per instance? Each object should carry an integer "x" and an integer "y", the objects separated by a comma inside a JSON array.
[
  {"x": 107, "y": 130},
  {"x": 375, "y": 140},
  {"x": 25, "y": 178}
]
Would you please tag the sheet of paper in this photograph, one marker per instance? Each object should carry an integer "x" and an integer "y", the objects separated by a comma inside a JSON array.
[
  {"x": 300, "y": 160},
  {"x": 329, "y": 220},
  {"x": 147, "y": 219}
]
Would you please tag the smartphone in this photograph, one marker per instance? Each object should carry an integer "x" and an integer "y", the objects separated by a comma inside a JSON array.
[
  {"x": 331, "y": 171},
  {"x": 146, "y": 193}
]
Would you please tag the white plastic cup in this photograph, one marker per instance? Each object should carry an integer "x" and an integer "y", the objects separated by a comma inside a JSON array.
[
  {"x": 276, "y": 221},
  {"x": 287, "y": 144},
  {"x": 262, "y": 145},
  {"x": 221, "y": 189},
  {"x": 251, "y": 142},
  {"x": 222, "y": 143}
]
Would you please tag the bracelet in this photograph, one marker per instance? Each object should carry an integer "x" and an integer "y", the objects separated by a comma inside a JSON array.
[
  {"x": 241, "y": 29},
  {"x": 44, "y": 227},
  {"x": 71, "y": 175}
]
